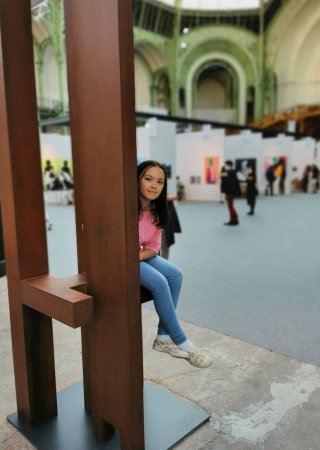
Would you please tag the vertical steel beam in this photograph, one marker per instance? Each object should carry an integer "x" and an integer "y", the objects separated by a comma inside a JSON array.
[
  {"x": 101, "y": 93},
  {"x": 2, "y": 261},
  {"x": 23, "y": 213}
]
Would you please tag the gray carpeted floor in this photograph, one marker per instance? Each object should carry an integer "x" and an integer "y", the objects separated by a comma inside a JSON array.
[{"x": 259, "y": 282}]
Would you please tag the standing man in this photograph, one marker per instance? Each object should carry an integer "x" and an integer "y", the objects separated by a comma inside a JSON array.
[
  {"x": 282, "y": 177},
  {"x": 251, "y": 189},
  {"x": 270, "y": 176},
  {"x": 231, "y": 188},
  {"x": 223, "y": 174}
]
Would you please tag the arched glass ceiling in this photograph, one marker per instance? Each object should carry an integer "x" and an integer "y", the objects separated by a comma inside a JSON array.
[{"x": 217, "y": 5}]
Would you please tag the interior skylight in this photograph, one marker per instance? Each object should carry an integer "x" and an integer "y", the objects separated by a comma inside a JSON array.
[{"x": 217, "y": 5}]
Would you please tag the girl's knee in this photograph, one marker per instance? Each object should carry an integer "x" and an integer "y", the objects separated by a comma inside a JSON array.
[
  {"x": 157, "y": 283},
  {"x": 178, "y": 275}
]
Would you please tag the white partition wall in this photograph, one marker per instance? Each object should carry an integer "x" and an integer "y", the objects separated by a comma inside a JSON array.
[
  {"x": 275, "y": 149},
  {"x": 303, "y": 154},
  {"x": 143, "y": 147},
  {"x": 317, "y": 154},
  {"x": 199, "y": 159},
  {"x": 55, "y": 147},
  {"x": 157, "y": 140},
  {"x": 244, "y": 149}
]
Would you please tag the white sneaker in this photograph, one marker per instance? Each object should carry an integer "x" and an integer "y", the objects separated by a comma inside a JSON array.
[
  {"x": 169, "y": 347},
  {"x": 199, "y": 359}
]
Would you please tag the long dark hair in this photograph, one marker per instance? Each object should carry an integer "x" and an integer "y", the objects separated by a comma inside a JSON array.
[{"x": 159, "y": 206}]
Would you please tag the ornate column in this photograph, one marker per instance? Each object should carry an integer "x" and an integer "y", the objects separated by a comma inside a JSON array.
[
  {"x": 260, "y": 91},
  {"x": 55, "y": 25},
  {"x": 39, "y": 65},
  {"x": 173, "y": 60}
]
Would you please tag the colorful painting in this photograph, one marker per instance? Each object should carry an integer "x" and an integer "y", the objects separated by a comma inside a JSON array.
[
  {"x": 55, "y": 165},
  {"x": 57, "y": 174},
  {"x": 211, "y": 169},
  {"x": 279, "y": 163}
]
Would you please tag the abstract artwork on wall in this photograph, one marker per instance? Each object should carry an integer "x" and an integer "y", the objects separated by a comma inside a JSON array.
[
  {"x": 211, "y": 169},
  {"x": 279, "y": 162},
  {"x": 57, "y": 174}
]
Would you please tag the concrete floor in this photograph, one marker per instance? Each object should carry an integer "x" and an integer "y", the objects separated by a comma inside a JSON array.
[
  {"x": 258, "y": 282},
  {"x": 257, "y": 399}
]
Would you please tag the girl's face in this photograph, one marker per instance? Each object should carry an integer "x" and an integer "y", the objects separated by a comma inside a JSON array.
[{"x": 151, "y": 183}]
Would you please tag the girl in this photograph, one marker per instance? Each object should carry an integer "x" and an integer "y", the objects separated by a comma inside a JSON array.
[{"x": 158, "y": 275}]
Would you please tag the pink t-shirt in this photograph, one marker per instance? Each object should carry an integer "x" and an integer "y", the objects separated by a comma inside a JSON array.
[{"x": 149, "y": 234}]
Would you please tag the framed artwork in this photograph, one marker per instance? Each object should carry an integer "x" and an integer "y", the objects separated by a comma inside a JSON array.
[
  {"x": 211, "y": 169},
  {"x": 279, "y": 162},
  {"x": 55, "y": 165},
  {"x": 57, "y": 174},
  {"x": 242, "y": 165}
]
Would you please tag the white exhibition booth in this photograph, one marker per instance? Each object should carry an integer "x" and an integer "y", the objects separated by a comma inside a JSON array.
[
  {"x": 157, "y": 141},
  {"x": 243, "y": 149},
  {"x": 274, "y": 150},
  {"x": 197, "y": 157},
  {"x": 199, "y": 160}
]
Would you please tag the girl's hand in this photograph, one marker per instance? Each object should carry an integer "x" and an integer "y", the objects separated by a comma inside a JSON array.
[{"x": 146, "y": 254}]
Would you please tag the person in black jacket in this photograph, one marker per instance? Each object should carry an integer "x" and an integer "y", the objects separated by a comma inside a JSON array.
[
  {"x": 231, "y": 188},
  {"x": 282, "y": 177},
  {"x": 270, "y": 177},
  {"x": 173, "y": 226},
  {"x": 223, "y": 174},
  {"x": 251, "y": 190}
]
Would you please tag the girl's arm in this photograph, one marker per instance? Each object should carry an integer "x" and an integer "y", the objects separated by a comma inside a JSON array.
[
  {"x": 152, "y": 247},
  {"x": 146, "y": 254}
]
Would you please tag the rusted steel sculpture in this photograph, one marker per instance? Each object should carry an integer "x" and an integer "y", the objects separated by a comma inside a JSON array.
[
  {"x": 105, "y": 301},
  {"x": 2, "y": 261}
]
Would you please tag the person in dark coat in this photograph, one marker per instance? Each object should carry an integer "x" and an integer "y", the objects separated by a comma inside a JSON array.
[
  {"x": 223, "y": 174},
  {"x": 282, "y": 177},
  {"x": 314, "y": 178},
  {"x": 173, "y": 226},
  {"x": 270, "y": 176},
  {"x": 251, "y": 190},
  {"x": 305, "y": 179},
  {"x": 231, "y": 188}
]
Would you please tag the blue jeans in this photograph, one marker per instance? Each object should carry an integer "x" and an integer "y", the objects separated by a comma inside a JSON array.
[{"x": 164, "y": 280}]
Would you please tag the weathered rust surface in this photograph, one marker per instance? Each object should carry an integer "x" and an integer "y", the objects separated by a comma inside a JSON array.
[
  {"x": 62, "y": 299},
  {"x": 23, "y": 213},
  {"x": 101, "y": 94},
  {"x": 106, "y": 301}
]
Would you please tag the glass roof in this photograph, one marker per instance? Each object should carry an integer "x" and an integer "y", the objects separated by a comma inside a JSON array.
[{"x": 217, "y": 5}]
